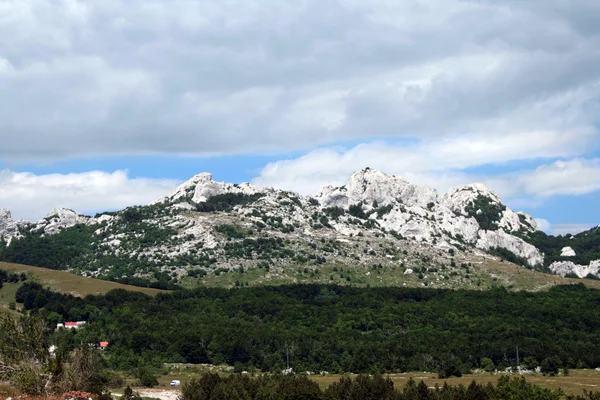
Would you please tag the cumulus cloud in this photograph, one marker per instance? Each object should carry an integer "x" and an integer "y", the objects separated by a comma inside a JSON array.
[
  {"x": 179, "y": 77},
  {"x": 445, "y": 164},
  {"x": 31, "y": 196}
]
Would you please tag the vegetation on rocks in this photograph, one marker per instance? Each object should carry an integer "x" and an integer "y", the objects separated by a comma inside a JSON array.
[
  {"x": 487, "y": 213},
  {"x": 227, "y": 201}
]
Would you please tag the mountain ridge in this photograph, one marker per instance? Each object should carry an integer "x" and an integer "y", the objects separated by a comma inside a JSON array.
[{"x": 204, "y": 220}]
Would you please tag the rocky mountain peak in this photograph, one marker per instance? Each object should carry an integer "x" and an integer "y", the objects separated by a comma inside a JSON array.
[
  {"x": 459, "y": 199},
  {"x": 371, "y": 186},
  {"x": 61, "y": 213},
  {"x": 202, "y": 186}
]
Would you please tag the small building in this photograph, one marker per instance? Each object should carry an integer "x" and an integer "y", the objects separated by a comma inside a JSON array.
[
  {"x": 103, "y": 345},
  {"x": 71, "y": 325}
]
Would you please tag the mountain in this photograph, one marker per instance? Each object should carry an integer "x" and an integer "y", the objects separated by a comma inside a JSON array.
[{"x": 377, "y": 229}]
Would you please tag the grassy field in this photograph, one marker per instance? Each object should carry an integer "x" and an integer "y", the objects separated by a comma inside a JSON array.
[
  {"x": 575, "y": 383},
  {"x": 63, "y": 282}
]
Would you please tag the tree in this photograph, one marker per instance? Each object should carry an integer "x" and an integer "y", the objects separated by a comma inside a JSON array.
[
  {"x": 550, "y": 365},
  {"x": 487, "y": 364},
  {"x": 129, "y": 394},
  {"x": 530, "y": 362},
  {"x": 84, "y": 373},
  {"x": 146, "y": 378},
  {"x": 23, "y": 353}
]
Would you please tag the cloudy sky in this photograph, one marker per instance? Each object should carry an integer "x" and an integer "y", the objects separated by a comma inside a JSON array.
[{"x": 109, "y": 103}]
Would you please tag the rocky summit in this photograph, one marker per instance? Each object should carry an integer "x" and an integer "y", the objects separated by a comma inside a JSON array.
[{"x": 372, "y": 223}]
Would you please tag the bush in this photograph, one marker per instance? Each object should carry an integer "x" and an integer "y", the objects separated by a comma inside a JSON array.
[
  {"x": 449, "y": 371},
  {"x": 550, "y": 365},
  {"x": 84, "y": 373},
  {"x": 146, "y": 378},
  {"x": 129, "y": 394},
  {"x": 28, "y": 379},
  {"x": 487, "y": 364}
]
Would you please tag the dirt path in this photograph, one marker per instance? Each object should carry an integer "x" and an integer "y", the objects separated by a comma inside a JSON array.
[{"x": 162, "y": 394}]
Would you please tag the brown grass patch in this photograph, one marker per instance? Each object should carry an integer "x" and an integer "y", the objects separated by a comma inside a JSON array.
[
  {"x": 575, "y": 383},
  {"x": 68, "y": 283}
]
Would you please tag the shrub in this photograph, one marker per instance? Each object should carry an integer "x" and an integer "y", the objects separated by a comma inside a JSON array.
[
  {"x": 550, "y": 365},
  {"x": 146, "y": 378}
]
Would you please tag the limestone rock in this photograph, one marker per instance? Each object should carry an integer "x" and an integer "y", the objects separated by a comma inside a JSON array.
[
  {"x": 60, "y": 218},
  {"x": 566, "y": 267},
  {"x": 371, "y": 186},
  {"x": 9, "y": 228},
  {"x": 501, "y": 239},
  {"x": 202, "y": 186},
  {"x": 567, "y": 252}
]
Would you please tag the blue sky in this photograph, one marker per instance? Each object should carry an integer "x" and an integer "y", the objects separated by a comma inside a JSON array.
[{"x": 107, "y": 104}]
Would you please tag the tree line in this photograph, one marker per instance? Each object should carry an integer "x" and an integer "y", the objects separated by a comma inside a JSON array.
[
  {"x": 333, "y": 328},
  {"x": 363, "y": 387}
]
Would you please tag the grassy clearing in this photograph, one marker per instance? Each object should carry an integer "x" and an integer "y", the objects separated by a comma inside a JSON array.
[
  {"x": 7, "y": 293},
  {"x": 575, "y": 383},
  {"x": 65, "y": 282}
]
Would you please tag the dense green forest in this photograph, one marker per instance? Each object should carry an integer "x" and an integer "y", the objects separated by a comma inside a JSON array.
[{"x": 332, "y": 328}]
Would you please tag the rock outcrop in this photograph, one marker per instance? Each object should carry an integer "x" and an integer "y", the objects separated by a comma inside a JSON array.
[
  {"x": 567, "y": 252},
  {"x": 418, "y": 212},
  {"x": 568, "y": 267},
  {"x": 372, "y": 186},
  {"x": 58, "y": 219},
  {"x": 201, "y": 187},
  {"x": 9, "y": 228}
]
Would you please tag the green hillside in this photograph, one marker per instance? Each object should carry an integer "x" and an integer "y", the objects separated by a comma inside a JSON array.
[{"x": 62, "y": 282}]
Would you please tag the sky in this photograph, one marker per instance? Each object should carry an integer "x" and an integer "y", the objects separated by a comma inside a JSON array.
[{"x": 110, "y": 103}]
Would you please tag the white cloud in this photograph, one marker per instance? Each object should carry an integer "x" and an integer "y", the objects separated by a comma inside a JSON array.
[
  {"x": 178, "y": 77},
  {"x": 442, "y": 164},
  {"x": 543, "y": 225},
  {"x": 572, "y": 177},
  {"x": 561, "y": 229},
  {"x": 31, "y": 196}
]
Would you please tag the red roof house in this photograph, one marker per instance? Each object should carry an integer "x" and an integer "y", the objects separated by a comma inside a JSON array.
[{"x": 103, "y": 345}]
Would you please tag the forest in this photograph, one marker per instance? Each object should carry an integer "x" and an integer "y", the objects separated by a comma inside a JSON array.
[{"x": 333, "y": 328}]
